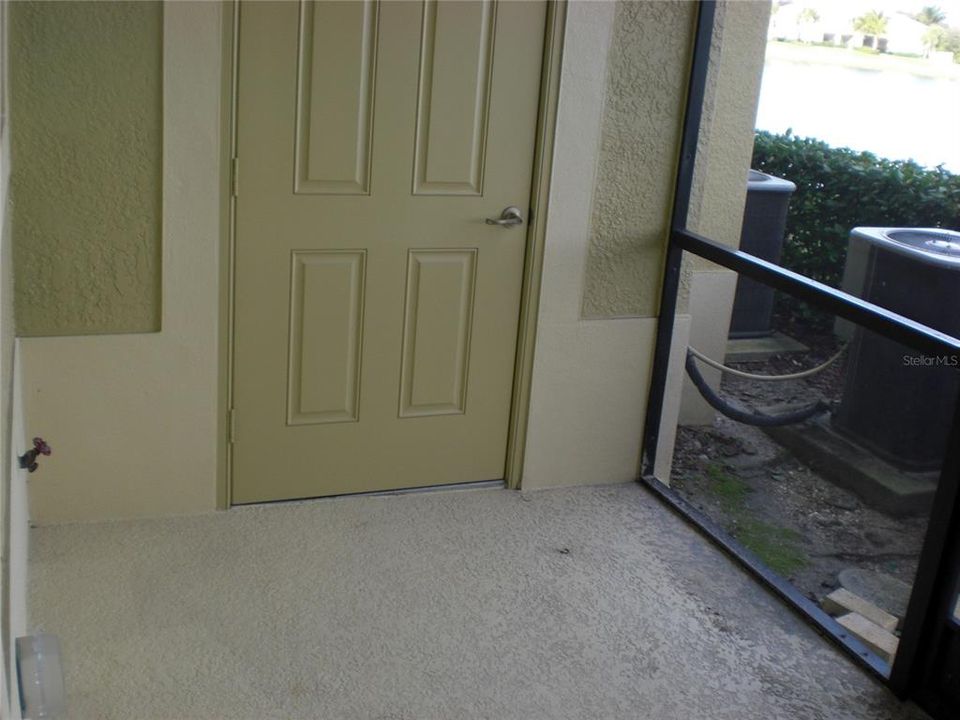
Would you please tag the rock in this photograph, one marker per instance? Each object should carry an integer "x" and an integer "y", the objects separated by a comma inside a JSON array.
[
  {"x": 843, "y": 502},
  {"x": 751, "y": 472},
  {"x": 882, "y": 590}
]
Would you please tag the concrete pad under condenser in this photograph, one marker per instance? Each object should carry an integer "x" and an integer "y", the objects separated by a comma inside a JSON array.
[
  {"x": 843, "y": 462},
  {"x": 760, "y": 349}
]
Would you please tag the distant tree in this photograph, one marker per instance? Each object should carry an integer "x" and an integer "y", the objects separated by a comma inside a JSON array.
[
  {"x": 942, "y": 39},
  {"x": 931, "y": 15},
  {"x": 807, "y": 16},
  {"x": 873, "y": 25},
  {"x": 949, "y": 41},
  {"x": 933, "y": 39}
]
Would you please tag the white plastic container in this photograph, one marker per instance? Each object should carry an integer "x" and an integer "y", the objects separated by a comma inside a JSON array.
[{"x": 42, "y": 693}]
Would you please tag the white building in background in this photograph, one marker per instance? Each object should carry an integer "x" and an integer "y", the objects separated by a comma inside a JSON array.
[
  {"x": 832, "y": 22},
  {"x": 905, "y": 35}
]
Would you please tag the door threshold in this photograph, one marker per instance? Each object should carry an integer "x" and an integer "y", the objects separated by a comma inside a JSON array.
[{"x": 478, "y": 485}]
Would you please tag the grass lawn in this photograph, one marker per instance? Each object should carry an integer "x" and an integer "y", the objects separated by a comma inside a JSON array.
[{"x": 806, "y": 53}]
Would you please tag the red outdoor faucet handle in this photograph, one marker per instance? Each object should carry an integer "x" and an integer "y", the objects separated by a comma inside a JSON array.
[{"x": 28, "y": 461}]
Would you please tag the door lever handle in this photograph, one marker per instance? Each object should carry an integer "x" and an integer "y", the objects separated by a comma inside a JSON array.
[{"x": 509, "y": 217}]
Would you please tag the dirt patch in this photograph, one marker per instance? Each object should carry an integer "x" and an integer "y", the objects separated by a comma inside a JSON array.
[{"x": 800, "y": 524}]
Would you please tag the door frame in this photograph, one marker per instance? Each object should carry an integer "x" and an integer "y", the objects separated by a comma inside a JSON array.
[{"x": 554, "y": 29}]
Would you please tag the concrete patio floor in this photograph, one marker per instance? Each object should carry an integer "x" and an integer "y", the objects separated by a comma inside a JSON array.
[{"x": 589, "y": 602}]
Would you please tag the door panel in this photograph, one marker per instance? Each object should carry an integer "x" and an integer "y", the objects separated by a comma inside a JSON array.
[
  {"x": 326, "y": 327},
  {"x": 438, "y": 319},
  {"x": 455, "y": 71},
  {"x": 336, "y": 67},
  {"x": 375, "y": 311}
]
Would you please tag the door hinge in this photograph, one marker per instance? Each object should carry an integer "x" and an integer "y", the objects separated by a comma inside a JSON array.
[
  {"x": 232, "y": 426},
  {"x": 235, "y": 176}
]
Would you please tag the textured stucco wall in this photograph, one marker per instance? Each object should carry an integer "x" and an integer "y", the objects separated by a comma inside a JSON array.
[
  {"x": 618, "y": 131},
  {"x": 86, "y": 100},
  {"x": 720, "y": 182},
  {"x": 133, "y": 418},
  {"x": 13, "y": 480},
  {"x": 727, "y": 129},
  {"x": 12, "y": 525},
  {"x": 615, "y": 161},
  {"x": 646, "y": 80},
  {"x": 154, "y": 396},
  {"x": 7, "y": 592}
]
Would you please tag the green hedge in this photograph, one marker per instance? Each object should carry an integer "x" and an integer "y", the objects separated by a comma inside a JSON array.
[{"x": 839, "y": 189}]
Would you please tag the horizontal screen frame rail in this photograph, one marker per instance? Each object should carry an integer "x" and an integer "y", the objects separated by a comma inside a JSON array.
[{"x": 872, "y": 317}]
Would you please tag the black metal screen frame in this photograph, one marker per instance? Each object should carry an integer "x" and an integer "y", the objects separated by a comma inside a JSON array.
[{"x": 922, "y": 624}]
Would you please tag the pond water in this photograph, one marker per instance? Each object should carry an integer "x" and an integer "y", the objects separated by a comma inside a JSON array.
[{"x": 895, "y": 115}]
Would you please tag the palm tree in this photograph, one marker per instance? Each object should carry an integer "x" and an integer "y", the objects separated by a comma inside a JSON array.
[
  {"x": 931, "y": 15},
  {"x": 873, "y": 25}
]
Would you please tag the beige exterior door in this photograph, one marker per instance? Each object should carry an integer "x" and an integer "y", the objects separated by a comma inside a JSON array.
[{"x": 375, "y": 310}]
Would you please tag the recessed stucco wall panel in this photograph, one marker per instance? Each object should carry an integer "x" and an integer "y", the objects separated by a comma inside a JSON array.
[
  {"x": 86, "y": 102},
  {"x": 645, "y": 94}
]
